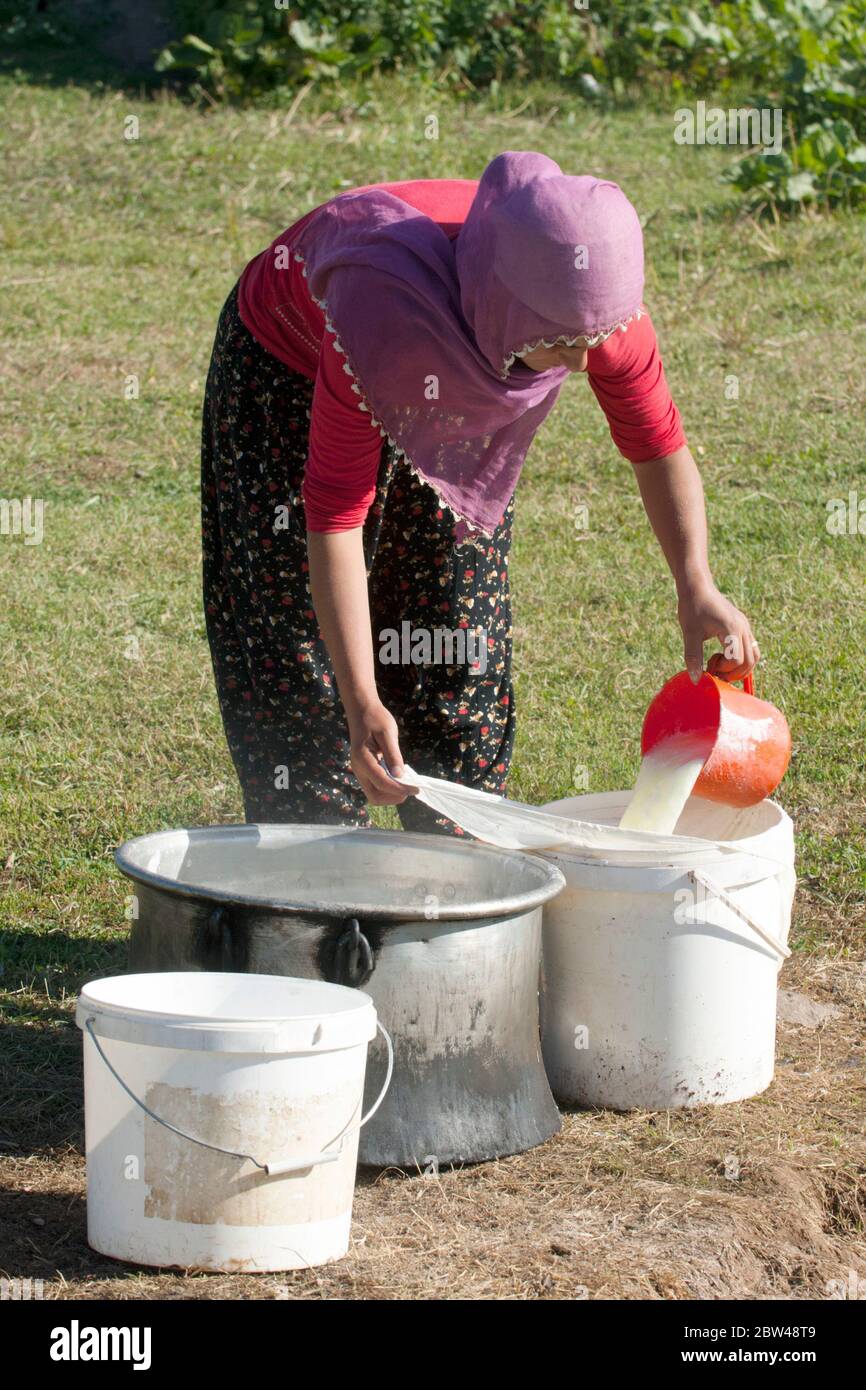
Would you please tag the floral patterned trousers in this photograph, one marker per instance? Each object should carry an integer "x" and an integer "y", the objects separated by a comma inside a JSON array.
[{"x": 283, "y": 719}]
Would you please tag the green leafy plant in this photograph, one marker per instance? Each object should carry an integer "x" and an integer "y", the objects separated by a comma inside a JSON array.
[
  {"x": 240, "y": 49},
  {"x": 807, "y": 57},
  {"x": 828, "y": 163},
  {"x": 812, "y": 63}
]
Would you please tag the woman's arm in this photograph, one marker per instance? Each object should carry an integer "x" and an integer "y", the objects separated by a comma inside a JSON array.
[
  {"x": 627, "y": 376},
  {"x": 673, "y": 496},
  {"x": 338, "y": 582}
]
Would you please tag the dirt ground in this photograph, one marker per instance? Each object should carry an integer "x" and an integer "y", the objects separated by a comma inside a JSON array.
[{"x": 759, "y": 1200}]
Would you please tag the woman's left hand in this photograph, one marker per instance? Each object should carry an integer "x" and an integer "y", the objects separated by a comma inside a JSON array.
[{"x": 705, "y": 613}]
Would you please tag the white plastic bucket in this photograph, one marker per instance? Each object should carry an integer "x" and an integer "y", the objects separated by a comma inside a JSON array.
[
  {"x": 268, "y": 1068},
  {"x": 660, "y": 978}
]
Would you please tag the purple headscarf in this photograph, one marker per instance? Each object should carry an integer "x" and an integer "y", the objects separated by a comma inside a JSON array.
[{"x": 430, "y": 328}]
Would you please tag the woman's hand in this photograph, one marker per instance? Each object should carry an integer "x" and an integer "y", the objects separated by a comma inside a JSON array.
[
  {"x": 373, "y": 732},
  {"x": 704, "y": 613},
  {"x": 338, "y": 582}
]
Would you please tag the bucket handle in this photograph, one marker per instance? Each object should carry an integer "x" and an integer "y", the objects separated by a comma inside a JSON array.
[
  {"x": 292, "y": 1165},
  {"x": 748, "y": 682},
  {"x": 718, "y": 892}
]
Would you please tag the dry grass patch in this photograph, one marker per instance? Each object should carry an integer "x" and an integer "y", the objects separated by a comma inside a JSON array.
[{"x": 762, "y": 1199}]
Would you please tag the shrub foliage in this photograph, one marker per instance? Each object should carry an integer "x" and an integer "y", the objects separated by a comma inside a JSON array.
[{"x": 807, "y": 57}]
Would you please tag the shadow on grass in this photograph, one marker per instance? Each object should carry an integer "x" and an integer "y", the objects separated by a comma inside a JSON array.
[
  {"x": 50, "y": 967},
  {"x": 89, "y": 43},
  {"x": 42, "y": 1233},
  {"x": 41, "y": 1086},
  {"x": 41, "y": 1101}
]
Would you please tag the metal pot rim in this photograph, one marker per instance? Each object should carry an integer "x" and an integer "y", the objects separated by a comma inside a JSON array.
[{"x": 549, "y": 879}]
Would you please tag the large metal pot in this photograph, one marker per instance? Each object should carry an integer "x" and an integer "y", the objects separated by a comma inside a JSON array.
[{"x": 445, "y": 937}]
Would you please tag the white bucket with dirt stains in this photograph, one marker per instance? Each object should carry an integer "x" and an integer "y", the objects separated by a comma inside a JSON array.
[
  {"x": 660, "y": 970},
  {"x": 222, "y": 1114}
]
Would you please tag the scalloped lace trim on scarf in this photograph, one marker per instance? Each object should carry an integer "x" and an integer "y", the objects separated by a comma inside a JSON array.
[
  {"x": 478, "y": 536},
  {"x": 586, "y": 339}
]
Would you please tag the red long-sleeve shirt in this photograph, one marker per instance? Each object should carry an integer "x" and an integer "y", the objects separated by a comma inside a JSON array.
[{"x": 275, "y": 304}]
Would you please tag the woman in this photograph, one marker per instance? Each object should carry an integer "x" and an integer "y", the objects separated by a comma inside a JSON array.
[{"x": 377, "y": 377}]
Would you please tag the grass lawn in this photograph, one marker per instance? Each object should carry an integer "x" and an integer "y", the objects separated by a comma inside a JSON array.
[{"x": 117, "y": 256}]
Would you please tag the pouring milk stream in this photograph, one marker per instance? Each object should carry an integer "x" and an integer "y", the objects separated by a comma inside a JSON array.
[{"x": 664, "y": 784}]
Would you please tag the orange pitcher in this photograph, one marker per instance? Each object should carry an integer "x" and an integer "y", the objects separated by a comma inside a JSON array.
[{"x": 746, "y": 741}]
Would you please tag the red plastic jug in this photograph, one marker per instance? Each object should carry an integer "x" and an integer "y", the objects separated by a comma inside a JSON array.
[{"x": 746, "y": 741}]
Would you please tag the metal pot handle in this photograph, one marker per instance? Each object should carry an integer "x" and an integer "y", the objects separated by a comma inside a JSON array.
[
  {"x": 353, "y": 962},
  {"x": 353, "y": 956},
  {"x": 218, "y": 938}
]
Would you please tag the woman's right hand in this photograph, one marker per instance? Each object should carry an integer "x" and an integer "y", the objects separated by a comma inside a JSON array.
[{"x": 373, "y": 732}]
